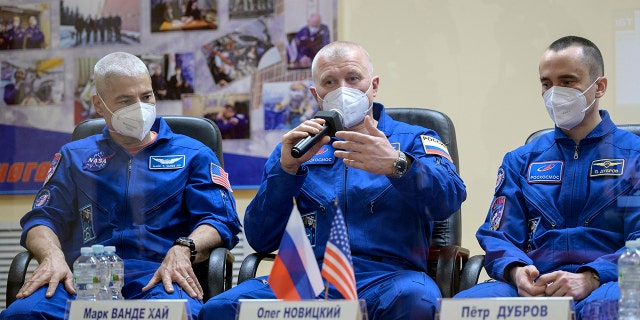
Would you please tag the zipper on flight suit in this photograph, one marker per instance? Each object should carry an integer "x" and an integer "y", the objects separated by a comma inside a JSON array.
[
  {"x": 346, "y": 174},
  {"x": 575, "y": 153}
]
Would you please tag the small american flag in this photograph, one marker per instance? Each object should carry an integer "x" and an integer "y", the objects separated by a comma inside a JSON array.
[
  {"x": 219, "y": 176},
  {"x": 337, "y": 267}
]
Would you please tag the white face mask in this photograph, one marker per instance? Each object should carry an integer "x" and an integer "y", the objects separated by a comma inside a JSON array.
[
  {"x": 134, "y": 120},
  {"x": 352, "y": 104},
  {"x": 567, "y": 106}
]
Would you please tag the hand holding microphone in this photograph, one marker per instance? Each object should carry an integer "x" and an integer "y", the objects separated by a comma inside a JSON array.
[{"x": 332, "y": 124}]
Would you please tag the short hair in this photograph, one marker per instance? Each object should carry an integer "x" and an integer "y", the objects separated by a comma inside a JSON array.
[
  {"x": 117, "y": 64},
  {"x": 339, "y": 49},
  {"x": 591, "y": 54}
]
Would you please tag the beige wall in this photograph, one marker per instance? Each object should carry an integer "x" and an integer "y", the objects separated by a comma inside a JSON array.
[{"x": 475, "y": 60}]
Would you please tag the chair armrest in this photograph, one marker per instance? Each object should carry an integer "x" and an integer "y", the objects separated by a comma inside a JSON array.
[
  {"x": 451, "y": 259},
  {"x": 250, "y": 264},
  {"x": 17, "y": 274},
  {"x": 471, "y": 272},
  {"x": 220, "y": 273},
  {"x": 215, "y": 274}
]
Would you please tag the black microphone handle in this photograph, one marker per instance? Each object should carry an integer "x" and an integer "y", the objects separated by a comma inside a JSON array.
[{"x": 305, "y": 144}]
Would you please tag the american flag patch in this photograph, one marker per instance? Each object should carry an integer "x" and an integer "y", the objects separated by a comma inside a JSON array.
[
  {"x": 434, "y": 146},
  {"x": 219, "y": 176}
]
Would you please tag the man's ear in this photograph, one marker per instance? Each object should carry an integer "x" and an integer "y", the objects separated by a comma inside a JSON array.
[
  {"x": 601, "y": 87},
  {"x": 98, "y": 105},
  {"x": 314, "y": 93},
  {"x": 375, "y": 82}
]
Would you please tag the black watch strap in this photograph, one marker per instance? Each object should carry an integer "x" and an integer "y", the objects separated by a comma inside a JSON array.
[{"x": 187, "y": 242}]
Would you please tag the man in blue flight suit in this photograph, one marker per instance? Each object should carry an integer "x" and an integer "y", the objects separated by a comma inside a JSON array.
[
  {"x": 555, "y": 226},
  {"x": 391, "y": 180},
  {"x": 155, "y": 195}
]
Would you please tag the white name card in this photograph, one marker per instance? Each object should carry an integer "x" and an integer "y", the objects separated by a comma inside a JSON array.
[
  {"x": 127, "y": 309},
  {"x": 552, "y": 308},
  {"x": 305, "y": 309}
]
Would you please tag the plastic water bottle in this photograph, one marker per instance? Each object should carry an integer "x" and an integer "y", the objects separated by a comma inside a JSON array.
[
  {"x": 629, "y": 281},
  {"x": 103, "y": 270},
  {"x": 85, "y": 275},
  {"x": 116, "y": 279}
]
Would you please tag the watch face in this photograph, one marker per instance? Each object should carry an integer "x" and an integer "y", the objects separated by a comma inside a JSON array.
[
  {"x": 185, "y": 242},
  {"x": 401, "y": 165}
]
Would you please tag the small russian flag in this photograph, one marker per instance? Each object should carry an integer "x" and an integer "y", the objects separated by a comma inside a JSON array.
[{"x": 295, "y": 274}]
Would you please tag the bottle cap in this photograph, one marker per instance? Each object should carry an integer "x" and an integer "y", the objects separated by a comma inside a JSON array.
[
  {"x": 97, "y": 248},
  {"x": 86, "y": 250},
  {"x": 110, "y": 249}
]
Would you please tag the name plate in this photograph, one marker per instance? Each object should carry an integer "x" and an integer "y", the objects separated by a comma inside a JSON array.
[
  {"x": 551, "y": 308},
  {"x": 305, "y": 309},
  {"x": 127, "y": 309}
]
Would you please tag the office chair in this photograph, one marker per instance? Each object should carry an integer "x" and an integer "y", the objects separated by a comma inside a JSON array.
[
  {"x": 215, "y": 274},
  {"x": 446, "y": 256},
  {"x": 474, "y": 266}
]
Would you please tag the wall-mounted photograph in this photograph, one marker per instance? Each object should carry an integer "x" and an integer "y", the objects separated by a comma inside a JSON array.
[
  {"x": 229, "y": 111},
  {"x": 240, "y": 53},
  {"x": 172, "y": 75},
  {"x": 241, "y": 9},
  {"x": 184, "y": 15},
  {"x": 32, "y": 82},
  {"x": 99, "y": 22},
  {"x": 25, "y": 26},
  {"x": 287, "y": 104}
]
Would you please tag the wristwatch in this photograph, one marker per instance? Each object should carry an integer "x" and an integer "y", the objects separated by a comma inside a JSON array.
[
  {"x": 187, "y": 242},
  {"x": 400, "y": 166}
]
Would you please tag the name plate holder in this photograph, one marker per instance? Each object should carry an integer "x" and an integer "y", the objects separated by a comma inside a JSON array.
[
  {"x": 252, "y": 309},
  {"x": 128, "y": 309},
  {"x": 543, "y": 308}
]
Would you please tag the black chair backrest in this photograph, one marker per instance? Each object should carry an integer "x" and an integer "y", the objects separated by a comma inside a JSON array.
[
  {"x": 633, "y": 128},
  {"x": 201, "y": 129},
  {"x": 447, "y": 232}
]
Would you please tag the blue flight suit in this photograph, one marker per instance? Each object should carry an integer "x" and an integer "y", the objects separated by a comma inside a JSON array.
[
  {"x": 562, "y": 206},
  {"x": 389, "y": 222},
  {"x": 98, "y": 193}
]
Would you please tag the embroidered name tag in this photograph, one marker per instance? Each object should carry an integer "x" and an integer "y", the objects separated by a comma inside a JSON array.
[
  {"x": 323, "y": 156},
  {"x": 545, "y": 172},
  {"x": 166, "y": 162},
  {"x": 606, "y": 167}
]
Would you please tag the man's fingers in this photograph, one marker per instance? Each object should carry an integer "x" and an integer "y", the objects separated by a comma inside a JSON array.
[{"x": 154, "y": 280}]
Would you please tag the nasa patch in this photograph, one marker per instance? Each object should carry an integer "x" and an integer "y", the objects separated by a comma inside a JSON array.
[
  {"x": 323, "y": 156},
  {"x": 54, "y": 166},
  {"x": 606, "y": 167},
  {"x": 499, "y": 180},
  {"x": 97, "y": 161},
  {"x": 42, "y": 198},
  {"x": 497, "y": 209},
  {"x": 545, "y": 172},
  {"x": 167, "y": 162},
  {"x": 86, "y": 215}
]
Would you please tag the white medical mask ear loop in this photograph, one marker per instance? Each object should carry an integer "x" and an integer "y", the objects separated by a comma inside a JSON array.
[
  {"x": 106, "y": 107},
  {"x": 594, "y": 98}
]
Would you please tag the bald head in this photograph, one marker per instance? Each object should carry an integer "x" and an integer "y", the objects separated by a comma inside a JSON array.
[
  {"x": 116, "y": 65},
  {"x": 314, "y": 20},
  {"x": 338, "y": 50}
]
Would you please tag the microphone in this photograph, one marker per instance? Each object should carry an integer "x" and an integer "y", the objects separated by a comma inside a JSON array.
[{"x": 332, "y": 124}]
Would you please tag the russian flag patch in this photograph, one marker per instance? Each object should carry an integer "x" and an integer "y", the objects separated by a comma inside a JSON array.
[{"x": 434, "y": 146}]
